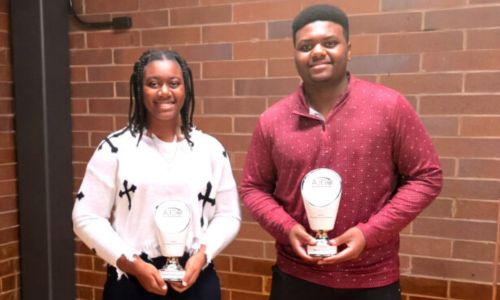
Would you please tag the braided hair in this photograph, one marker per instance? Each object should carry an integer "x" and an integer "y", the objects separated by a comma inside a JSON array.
[{"x": 137, "y": 114}]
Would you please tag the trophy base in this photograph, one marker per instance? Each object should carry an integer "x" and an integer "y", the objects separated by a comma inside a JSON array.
[
  {"x": 172, "y": 273},
  {"x": 321, "y": 249}
]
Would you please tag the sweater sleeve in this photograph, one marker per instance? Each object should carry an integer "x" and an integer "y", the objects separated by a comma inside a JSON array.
[
  {"x": 93, "y": 207},
  {"x": 225, "y": 223},
  {"x": 258, "y": 185},
  {"x": 419, "y": 177}
]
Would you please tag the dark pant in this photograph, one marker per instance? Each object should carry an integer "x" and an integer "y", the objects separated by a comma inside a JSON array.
[
  {"x": 286, "y": 287},
  {"x": 206, "y": 287}
]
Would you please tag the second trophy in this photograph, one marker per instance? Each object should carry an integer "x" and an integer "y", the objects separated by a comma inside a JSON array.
[
  {"x": 172, "y": 218},
  {"x": 321, "y": 190}
]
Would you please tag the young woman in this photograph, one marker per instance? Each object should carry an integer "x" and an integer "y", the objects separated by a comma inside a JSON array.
[{"x": 158, "y": 156}]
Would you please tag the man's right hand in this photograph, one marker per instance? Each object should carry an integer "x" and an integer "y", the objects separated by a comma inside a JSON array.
[
  {"x": 146, "y": 273},
  {"x": 299, "y": 239}
]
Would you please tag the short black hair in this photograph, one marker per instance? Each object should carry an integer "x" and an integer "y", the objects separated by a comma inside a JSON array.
[{"x": 321, "y": 12}]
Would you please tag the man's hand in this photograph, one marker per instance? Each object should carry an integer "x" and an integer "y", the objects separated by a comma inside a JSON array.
[
  {"x": 146, "y": 273},
  {"x": 299, "y": 239},
  {"x": 193, "y": 268},
  {"x": 355, "y": 241}
]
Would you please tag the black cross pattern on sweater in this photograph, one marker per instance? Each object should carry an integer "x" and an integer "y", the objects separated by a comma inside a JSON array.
[
  {"x": 107, "y": 140},
  {"x": 79, "y": 196},
  {"x": 224, "y": 153},
  {"x": 206, "y": 198},
  {"x": 127, "y": 191}
]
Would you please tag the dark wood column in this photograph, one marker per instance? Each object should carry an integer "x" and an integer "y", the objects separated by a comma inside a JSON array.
[{"x": 40, "y": 60}]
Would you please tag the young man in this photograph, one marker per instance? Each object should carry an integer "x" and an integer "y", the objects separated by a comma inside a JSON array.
[{"x": 368, "y": 134}]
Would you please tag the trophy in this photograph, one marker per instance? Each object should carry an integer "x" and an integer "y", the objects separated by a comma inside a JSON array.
[
  {"x": 172, "y": 220},
  {"x": 321, "y": 189}
]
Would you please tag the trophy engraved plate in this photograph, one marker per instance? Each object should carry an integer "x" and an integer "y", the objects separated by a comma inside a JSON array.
[
  {"x": 321, "y": 190},
  {"x": 172, "y": 220}
]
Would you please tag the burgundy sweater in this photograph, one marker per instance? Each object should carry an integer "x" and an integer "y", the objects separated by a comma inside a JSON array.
[{"x": 390, "y": 172}]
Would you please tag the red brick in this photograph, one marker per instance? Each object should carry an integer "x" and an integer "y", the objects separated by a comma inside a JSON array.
[
  {"x": 420, "y": 4},
  {"x": 463, "y": 60},
  {"x": 92, "y": 90},
  {"x": 482, "y": 82},
  {"x": 233, "y": 32},
  {"x": 439, "y": 208},
  {"x": 127, "y": 56},
  {"x": 471, "y": 189},
  {"x": 162, "y": 4},
  {"x": 424, "y": 286},
  {"x": 8, "y": 203},
  {"x": 245, "y": 124},
  {"x": 113, "y": 39},
  {"x": 5, "y": 73},
  {"x": 460, "y": 104},
  {"x": 102, "y": 123},
  {"x": 423, "y": 246},
  {"x": 5, "y": 89},
  {"x": 84, "y": 292},
  {"x": 263, "y": 50},
  {"x": 385, "y": 23},
  {"x": 240, "y": 281},
  {"x": 109, "y": 6},
  {"x": 90, "y": 57},
  {"x": 455, "y": 229},
  {"x": 479, "y": 168},
  {"x": 7, "y": 172},
  {"x": 90, "y": 278},
  {"x": 281, "y": 68},
  {"x": 470, "y": 17},
  {"x": 78, "y": 74},
  {"x": 441, "y": 126},
  {"x": 476, "y": 251},
  {"x": 252, "y": 266},
  {"x": 384, "y": 64},
  {"x": 363, "y": 44},
  {"x": 234, "y": 69},
  {"x": 9, "y": 251},
  {"x": 264, "y": 87},
  {"x": 480, "y": 126},
  {"x": 79, "y": 106},
  {"x": 470, "y": 291},
  {"x": 452, "y": 269},
  {"x": 201, "y": 15},
  {"x": 76, "y": 40},
  {"x": 461, "y": 147},
  {"x": 213, "y": 87},
  {"x": 171, "y": 36},
  {"x": 476, "y": 210},
  {"x": 252, "y": 249},
  {"x": 280, "y": 30},
  {"x": 270, "y": 10},
  {"x": 349, "y": 6},
  {"x": 483, "y": 39},
  {"x": 109, "y": 106},
  {"x": 421, "y": 42},
  {"x": 7, "y": 156},
  {"x": 109, "y": 73},
  {"x": 8, "y": 219},
  {"x": 253, "y": 231},
  {"x": 234, "y": 106},
  {"x": 424, "y": 83},
  {"x": 6, "y": 140},
  {"x": 205, "y": 52},
  {"x": 9, "y": 235},
  {"x": 7, "y": 123},
  {"x": 213, "y": 124},
  {"x": 150, "y": 19},
  {"x": 234, "y": 142},
  {"x": 8, "y": 187},
  {"x": 248, "y": 296},
  {"x": 5, "y": 106}
]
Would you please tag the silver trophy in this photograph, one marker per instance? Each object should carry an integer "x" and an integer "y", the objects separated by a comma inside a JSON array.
[
  {"x": 172, "y": 220},
  {"x": 321, "y": 190}
]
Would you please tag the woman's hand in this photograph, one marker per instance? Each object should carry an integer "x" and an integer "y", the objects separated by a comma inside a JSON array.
[
  {"x": 193, "y": 268},
  {"x": 146, "y": 273}
]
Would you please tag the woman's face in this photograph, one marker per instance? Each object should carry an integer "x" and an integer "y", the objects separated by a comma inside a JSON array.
[{"x": 164, "y": 91}]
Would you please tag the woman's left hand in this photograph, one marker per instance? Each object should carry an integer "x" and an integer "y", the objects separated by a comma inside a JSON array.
[{"x": 193, "y": 268}]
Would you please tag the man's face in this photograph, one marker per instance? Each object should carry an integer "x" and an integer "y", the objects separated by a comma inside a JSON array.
[{"x": 321, "y": 52}]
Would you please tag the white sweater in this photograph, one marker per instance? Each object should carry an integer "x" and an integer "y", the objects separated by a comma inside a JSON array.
[{"x": 126, "y": 179}]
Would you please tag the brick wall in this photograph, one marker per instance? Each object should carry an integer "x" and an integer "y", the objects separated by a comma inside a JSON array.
[
  {"x": 443, "y": 55},
  {"x": 9, "y": 222}
]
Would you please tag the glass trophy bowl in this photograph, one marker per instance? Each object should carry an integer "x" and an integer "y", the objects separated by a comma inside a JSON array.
[
  {"x": 321, "y": 190},
  {"x": 172, "y": 219}
]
